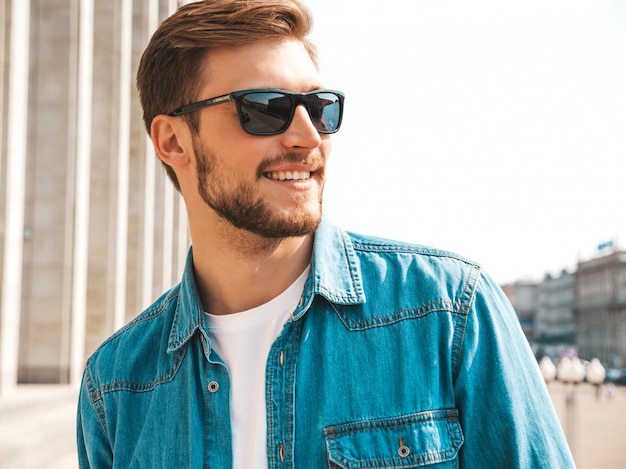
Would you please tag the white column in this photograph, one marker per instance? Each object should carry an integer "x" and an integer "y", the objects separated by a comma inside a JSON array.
[
  {"x": 182, "y": 233},
  {"x": 123, "y": 162},
  {"x": 4, "y": 40},
  {"x": 168, "y": 210},
  {"x": 71, "y": 161},
  {"x": 168, "y": 233},
  {"x": 83, "y": 176},
  {"x": 183, "y": 237},
  {"x": 17, "y": 137},
  {"x": 147, "y": 293}
]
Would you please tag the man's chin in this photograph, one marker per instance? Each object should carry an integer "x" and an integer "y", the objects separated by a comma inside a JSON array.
[
  {"x": 268, "y": 220},
  {"x": 286, "y": 227}
]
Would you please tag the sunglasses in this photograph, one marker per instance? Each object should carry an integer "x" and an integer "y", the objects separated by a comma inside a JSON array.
[{"x": 270, "y": 112}]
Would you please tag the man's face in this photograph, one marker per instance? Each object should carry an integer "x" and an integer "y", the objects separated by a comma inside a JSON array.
[{"x": 269, "y": 185}]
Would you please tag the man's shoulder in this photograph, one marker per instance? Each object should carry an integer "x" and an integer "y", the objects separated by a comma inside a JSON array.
[
  {"x": 377, "y": 245},
  {"x": 150, "y": 318},
  {"x": 399, "y": 280},
  {"x": 148, "y": 332},
  {"x": 415, "y": 274}
]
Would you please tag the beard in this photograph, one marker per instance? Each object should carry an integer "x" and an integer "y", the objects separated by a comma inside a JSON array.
[{"x": 244, "y": 207}]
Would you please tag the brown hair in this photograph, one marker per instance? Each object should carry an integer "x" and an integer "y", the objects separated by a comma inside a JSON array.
[{"x": 169, "y": 71}]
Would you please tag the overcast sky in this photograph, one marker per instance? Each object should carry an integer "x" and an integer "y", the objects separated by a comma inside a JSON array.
[{"x": 493, "y": 129}]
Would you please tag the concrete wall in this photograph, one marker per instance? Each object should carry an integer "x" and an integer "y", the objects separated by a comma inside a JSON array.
[{"x": 91, "y": 230}]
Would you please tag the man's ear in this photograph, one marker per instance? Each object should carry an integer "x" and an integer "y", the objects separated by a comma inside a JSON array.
[{"x": 172, "y": 140}]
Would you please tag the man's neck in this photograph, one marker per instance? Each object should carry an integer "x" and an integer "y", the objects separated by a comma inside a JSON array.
[{"x": 239, "y": 271}]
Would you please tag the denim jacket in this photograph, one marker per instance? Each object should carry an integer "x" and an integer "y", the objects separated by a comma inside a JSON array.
[{"x": 398, "y": 356}]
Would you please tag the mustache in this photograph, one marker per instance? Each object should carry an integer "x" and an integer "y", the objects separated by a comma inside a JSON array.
[{"x": 312, "y": 159}]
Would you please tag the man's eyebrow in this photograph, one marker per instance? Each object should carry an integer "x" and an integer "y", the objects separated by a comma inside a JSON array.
[
  {"x": 319, "y": 86},
  {"x": 308, "y": 89}
]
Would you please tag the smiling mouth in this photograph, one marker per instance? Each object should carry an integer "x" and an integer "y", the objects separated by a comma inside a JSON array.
[{"x": 288, "y": 175}]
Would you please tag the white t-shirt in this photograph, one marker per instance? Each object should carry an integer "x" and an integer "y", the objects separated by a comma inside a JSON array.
[{"x": 243, "y": 340}]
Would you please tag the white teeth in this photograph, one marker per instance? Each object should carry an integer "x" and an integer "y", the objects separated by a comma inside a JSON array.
[{"x": 289, "y": 175}]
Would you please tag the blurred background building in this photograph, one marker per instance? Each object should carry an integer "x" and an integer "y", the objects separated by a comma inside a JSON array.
[
  {"x": 581, "y": 313},
  {"x": 90, "y": 229},
  {"x": 555, "y": 325},
  {"x": 601, "y": 307},
  {"x": 523, "y": 297}
]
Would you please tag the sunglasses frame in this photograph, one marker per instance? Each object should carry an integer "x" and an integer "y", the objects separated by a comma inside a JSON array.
[{"x": 238, "y": 96}]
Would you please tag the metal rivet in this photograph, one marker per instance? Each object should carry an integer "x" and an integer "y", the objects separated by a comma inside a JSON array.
[
  {"x": 213, "y": 386},
  {"x": 403, "y": 450}
]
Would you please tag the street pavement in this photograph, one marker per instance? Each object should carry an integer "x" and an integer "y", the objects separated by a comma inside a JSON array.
[
  {"x": 598, "y": 436},
  {"x": 37, "y": 427}
]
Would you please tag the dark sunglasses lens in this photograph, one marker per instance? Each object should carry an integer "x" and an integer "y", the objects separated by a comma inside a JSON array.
[
  {"x": 265, "y": 113},
  {"x": 270, "y": 112},
  {"x": 325, "y": 111}
]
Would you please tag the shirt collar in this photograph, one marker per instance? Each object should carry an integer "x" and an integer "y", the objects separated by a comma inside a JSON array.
[
  {"x": 189, "y": 315},
  {"x": 334, "y": 274}
]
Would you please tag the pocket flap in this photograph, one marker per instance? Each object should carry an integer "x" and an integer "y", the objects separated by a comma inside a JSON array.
[{"x": 399, "y": 442}]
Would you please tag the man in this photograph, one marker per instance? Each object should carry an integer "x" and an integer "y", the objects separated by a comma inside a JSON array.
[{"x": 288, "y": 342}]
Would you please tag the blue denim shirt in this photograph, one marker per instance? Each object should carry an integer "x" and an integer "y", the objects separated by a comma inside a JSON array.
[{"x": 397, "y": 356}]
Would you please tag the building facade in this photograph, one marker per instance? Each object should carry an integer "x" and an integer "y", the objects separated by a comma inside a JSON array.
[
  {"x": 601, "y": 307},
  {"x": 555, "y": 327},
  {"x": 584, "y": 311},
  {"x": 91, "y": 231},
  {"x": 523, "y": 296}
]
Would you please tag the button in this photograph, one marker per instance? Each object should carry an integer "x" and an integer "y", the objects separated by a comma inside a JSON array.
[
  {"x": 281, "y": 358},
  {"x": 213, "y": 386},
  {"x": 403, "y": 450},
  {"x": 281, "y": 452}
]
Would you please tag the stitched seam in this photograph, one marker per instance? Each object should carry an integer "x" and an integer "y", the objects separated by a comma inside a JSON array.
[
  {"x": 147, "y": 315},
  {"x": 351, "y": 261},
  {"x": 95, "y": 397},
  {"x": 334, "y": 433},
  {"x": 461, "y": 324},
  {"x": 406, "y": 249},
  {"x": 290, "y": 381},
  {"x": 338, "y": 430},
  {"x": 270, "y": 409},
  {"x": 434, "y": 457},
  {"x": 470, "y": 286},
  {"x": 400, "y": 315},
  {"x": 144, "y": 386},
  {"x": 331, "y": 295},
  {"x": 197, "y": 323}
]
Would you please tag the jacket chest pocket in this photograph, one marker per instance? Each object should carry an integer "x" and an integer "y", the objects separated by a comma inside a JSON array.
[{"x": 409, "y": 441}]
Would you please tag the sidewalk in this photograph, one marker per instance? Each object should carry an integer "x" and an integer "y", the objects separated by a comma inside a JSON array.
[
  {"x": 37, "y": 428},
  {"x": 599, "y": 440}
]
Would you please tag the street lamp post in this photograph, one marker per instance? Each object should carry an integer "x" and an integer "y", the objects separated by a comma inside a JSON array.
[
  {"x": 595, "y": 375},
  {"x": 571, "y": 372},
  {"x": 548, "y": 370}
]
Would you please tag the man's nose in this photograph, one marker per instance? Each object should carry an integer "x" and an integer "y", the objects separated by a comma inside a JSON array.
[{"x": 301, "y": 132}]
